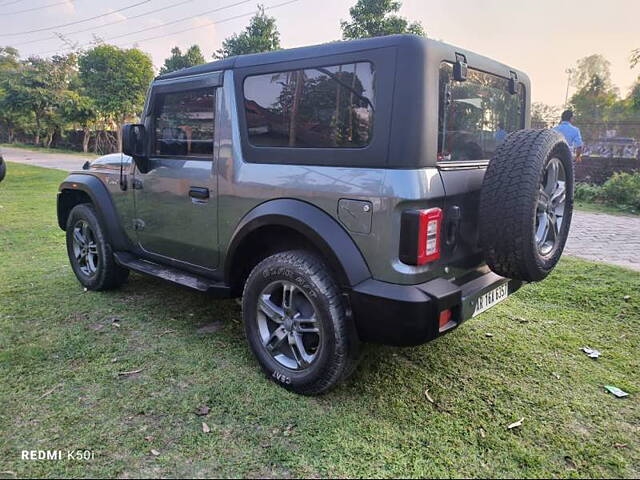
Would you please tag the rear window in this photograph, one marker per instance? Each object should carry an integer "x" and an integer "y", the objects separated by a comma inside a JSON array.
[
  {"x": 322, "y": 107},
  {"x": 476, "y": 115}
]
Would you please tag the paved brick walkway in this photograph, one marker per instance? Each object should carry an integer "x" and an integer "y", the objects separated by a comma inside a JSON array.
[
  {"x": 594, "y": 236},
  {"x": 605, "y": 238}
]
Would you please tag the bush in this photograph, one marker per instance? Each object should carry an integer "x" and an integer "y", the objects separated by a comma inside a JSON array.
[
  {"x": 587, "y": 193},
  {"x": 622, "y": 191}
]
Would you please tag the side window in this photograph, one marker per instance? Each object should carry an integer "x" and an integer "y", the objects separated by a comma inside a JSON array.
[
  {"x": 183, "y": 124},
  {"x": 476, "y": 115},
  {"x": 323, "y": 107}
]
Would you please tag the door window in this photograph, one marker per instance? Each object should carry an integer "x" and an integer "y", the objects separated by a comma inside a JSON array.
[{"x": 184, "y": 123}]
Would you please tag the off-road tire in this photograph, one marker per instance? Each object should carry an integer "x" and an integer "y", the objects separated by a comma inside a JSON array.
[
  {"x": 3, "y": 169},
  {"x": 108, "y": 275},
  {"x": 509, "y": 202},
  {"x": 339, "y": 352}
]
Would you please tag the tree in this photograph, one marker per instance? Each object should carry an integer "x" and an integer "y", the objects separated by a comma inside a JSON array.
[
  {"x": 12, "y": 115},
  {"x": 594, "y": 101},
  {"x": 63, "y": 72},
  {"x": 10, "y": 118},
  {"x": 634, "y": 98},
  {"x": 37, "y": 89},
  {"x": 261, "y": 35},
  {"x": 376, "y": 18},
  {"x": 80, "y": 111},
  {"x": 117, "y": 80},
  {"x": 9, "y": 59},
  {"x": 177, "y": 61},
  {"x": 590, "y": 66}
]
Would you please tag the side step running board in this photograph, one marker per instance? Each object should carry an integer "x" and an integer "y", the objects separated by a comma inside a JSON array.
[{"x": 171, "y": 274}]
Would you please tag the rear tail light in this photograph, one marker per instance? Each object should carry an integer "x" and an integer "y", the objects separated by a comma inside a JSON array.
[{"x": 420, "y": 233}]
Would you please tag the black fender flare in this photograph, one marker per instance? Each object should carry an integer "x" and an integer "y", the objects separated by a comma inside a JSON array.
[
  {"x": 101, "y": 199},
  {"x": 325, "y": 233}
]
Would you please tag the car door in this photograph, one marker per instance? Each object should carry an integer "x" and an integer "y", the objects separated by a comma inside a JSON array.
[
  {"x": 176, "y": 200},
  {"x": 476, "y": 115}
]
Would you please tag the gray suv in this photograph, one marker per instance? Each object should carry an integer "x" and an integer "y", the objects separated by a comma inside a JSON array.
[{"x": 381, "y": 190}]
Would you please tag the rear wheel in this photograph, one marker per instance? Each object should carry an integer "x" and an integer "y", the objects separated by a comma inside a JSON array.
[
  {"x": 526, "y": 204},
  {"x": 296, "y": 323},
  {"x": 3, "y": 169},
  {"x": 89, "y": 251}
]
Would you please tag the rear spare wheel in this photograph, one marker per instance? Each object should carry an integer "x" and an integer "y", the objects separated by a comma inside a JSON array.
[{"x": 526, "y": 204}]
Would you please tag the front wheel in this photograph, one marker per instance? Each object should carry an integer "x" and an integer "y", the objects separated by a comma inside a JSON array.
[
  {"x": 296, "y": 323},
  {"x": 89, "y": 251}
]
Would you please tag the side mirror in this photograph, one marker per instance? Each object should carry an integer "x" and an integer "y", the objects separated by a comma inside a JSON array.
[{"x": 134, "y": 143}]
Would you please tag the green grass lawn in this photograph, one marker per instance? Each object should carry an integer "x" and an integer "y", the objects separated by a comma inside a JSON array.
[
  {"x": 61, "y": 352},
  {"x": 36, "y": 148}
]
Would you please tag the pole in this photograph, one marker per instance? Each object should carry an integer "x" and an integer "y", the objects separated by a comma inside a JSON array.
[{"x": 568, "y": 71}]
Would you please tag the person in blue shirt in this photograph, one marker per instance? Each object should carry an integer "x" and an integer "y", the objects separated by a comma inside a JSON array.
[
  {"x": 500, "y": 134},
  {"x": 571, "y": 133}
]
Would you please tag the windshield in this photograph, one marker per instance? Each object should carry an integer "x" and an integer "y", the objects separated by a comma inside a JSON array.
[{"x": 476, "y": 115}]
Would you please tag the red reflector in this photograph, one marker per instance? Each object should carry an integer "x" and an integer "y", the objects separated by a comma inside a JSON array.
[
  {"x": 429, "y": 235},
  {"x": 445, "y": 317}
]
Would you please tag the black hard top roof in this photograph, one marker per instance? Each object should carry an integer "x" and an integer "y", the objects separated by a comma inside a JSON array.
[
  {"x": 301, "y": 53},
  {"x": 412, "y": 44}
]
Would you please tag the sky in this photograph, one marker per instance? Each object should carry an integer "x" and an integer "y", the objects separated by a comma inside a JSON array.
[{"x": 542, "y": 37}]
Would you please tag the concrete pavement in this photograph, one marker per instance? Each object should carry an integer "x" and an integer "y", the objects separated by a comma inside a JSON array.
[{"x": 62, "y": 161}]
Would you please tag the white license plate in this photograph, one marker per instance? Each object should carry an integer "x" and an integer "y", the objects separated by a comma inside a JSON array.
[{"x": 489, "y": 299}]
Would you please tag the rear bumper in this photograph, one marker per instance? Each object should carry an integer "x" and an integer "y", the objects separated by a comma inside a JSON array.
[{"x": 405, "y": 315}]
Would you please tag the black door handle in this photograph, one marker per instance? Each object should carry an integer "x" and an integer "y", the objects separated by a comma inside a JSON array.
[{"x": 199, "y": 192}]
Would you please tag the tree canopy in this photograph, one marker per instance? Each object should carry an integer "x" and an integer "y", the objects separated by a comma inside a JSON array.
[
  {"x": 178, "y": 60},
  {"x": 9, "y": 58},
  {"x": 36, "y": 89},
  {"x": 261, "y": 35},
  {"x": 116, "y": 79},
  {"x": 588, "y": 67},
  {"x": 377, "y": 18},
  {"x": 594, "y": 100}
]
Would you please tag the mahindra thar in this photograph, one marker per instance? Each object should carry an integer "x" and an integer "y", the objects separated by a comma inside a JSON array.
[{"x": 380, "y": 190}]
